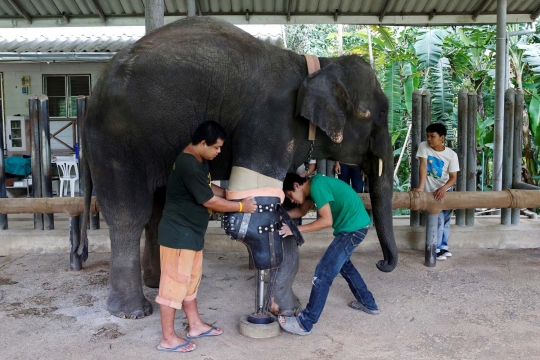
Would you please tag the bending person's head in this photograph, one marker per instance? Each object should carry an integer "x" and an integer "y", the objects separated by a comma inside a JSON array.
[{"x": 293, "y": 187}]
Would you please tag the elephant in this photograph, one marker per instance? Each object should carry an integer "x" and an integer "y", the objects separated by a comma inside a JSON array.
[{"x": 154, "y": 93}]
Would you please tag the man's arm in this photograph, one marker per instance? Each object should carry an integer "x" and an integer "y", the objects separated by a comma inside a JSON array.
[
  {"x": 324, "y": 221},
  {"x": 423, "y": 174},
  {"x": 218, "y": 191},
  {"x": 216, "y": 203},
  {"x": 439, "y": 193},
  {"x": 301, "y": 210}
]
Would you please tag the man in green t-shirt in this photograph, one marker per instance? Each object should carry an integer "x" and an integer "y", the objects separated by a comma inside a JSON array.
[
  {"x": 190, "y": 197},
  {"x": 339, "y": 207}
]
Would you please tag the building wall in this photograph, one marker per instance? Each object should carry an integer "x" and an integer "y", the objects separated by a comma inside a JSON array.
[{"x": 15, "y": 102}]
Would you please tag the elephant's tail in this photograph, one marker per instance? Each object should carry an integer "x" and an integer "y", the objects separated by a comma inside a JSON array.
[{"x": 88, "y": 186}]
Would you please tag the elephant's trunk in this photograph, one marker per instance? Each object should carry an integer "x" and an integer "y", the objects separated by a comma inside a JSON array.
[{"x": 380, "y": 191}]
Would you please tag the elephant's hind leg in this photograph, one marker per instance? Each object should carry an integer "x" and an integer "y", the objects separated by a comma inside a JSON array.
[
  {"x": 151, "y": 263},
  {"x": 126, "y": 298}
]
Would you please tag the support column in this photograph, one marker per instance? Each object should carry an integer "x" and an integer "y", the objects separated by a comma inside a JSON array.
[
  {"x": 462, "y": 150},
  {"x": 499, "y": 95},
  {"x": 154, "y": 14},
  {"x": 508, "y": 147},
  {"x": 426, "y": 120},
  {"x": 192, "y": 8},
  {"x": 518, "y": 147},
  {"x": 33, "y": 106},
  {"x": 3, "y": 195},
  {"x": 416, "y": 134},
  {"x": 472, "y": 104},
  {"x": 431, "y": 239},
  {"x": 46, "y": 168}
]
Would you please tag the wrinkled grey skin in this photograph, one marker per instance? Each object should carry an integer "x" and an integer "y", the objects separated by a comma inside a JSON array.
[{"x": 153, "y": 95}]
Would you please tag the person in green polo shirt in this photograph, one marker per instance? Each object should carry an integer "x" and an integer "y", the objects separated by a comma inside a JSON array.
[
  {"x": 339, "y": 207},
  {"x": 190, "y": 198}
]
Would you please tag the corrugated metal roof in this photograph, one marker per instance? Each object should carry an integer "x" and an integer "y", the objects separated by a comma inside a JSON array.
[
  {"x": 23, "y": 13},
  {"x": 71, "y": 44}
]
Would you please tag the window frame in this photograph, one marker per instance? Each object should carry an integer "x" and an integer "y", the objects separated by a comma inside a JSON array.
[{"x": 67, "y": 92}]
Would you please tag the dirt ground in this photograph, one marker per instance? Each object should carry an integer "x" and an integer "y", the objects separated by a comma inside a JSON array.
[{"x": 480, "y": 304}]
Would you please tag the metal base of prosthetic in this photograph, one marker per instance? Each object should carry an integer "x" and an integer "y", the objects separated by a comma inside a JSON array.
[{"x": 259, "y": 324}]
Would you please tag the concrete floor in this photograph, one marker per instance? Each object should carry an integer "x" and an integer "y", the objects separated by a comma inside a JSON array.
[
  {"x": 483, "y": 303},
  {"x": 480, "y": 304}
]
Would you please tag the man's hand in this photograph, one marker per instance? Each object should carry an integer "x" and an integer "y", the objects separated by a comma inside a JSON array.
[
  {"x": 337, "y": 168},
  {"x": 439, "y": 194},
  {"x": 285, "y": 230},
  {"x": 249, "y": 205}
]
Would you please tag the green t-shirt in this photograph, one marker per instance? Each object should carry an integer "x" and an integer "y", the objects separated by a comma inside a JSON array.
[
  {"x": 185, "y": 219},
  {"x": 348, "y": 211}
]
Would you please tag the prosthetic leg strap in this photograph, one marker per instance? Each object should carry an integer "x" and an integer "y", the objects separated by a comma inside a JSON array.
[
  {"x": 291, "y": 224},
  {"x": 259, "y": 232}
]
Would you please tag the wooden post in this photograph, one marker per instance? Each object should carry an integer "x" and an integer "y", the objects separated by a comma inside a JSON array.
[
  {"x": 3, "y": 195},
  {"x": 518, "y": 146},
  {"x": 471, "y": 153},
  {"x": 46, "y": 168},
  {"x": 33, "y": 106},
  {"x": 462, "y": 150},
  {"x": 508, "y": 147},
  {"x": 415, "y": 141}
]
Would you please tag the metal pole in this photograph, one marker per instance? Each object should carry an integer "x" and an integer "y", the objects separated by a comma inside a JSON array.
[
  {"x": 499, "y": 95},
  {"x": 431, "y": 239},
  {"x": 415, "y": 141},
  {"x": 517, "y": 152},
  {"x": 426, "y": 120},
  {"x": 46, "y": 168},
  {"x": 154, "y": 14},
  {"x": 192, "y": 8},
  {"x": 462, "y": 150},
  {"x": 471, "y": 151},
  {"x": 508, "y": 146},
  {"x": 3, "y": 195},
  {"x": 33, "y": 106}
]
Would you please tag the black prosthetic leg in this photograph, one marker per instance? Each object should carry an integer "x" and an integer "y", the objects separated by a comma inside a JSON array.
[{"x": 260, "y": 233}]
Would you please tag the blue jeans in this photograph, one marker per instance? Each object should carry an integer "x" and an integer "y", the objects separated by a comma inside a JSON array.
[
  {"x": 336, "y": 260},
  {"x": 443, "y": 229},
  {"x": 352, "y": 175}
]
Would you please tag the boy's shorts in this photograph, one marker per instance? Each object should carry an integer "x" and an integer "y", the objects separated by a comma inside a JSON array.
[{"x": 181, "y": 272}]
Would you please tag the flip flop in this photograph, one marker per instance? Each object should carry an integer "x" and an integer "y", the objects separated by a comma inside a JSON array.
[
  {"x": 176, "y": 349},
  {"x": 357, "y": 305},
  {"x": 204, "y": 334},
  {"x": 292, "y": 325}
]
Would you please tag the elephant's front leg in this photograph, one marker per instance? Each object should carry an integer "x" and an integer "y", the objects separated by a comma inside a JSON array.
[
  {"x": 126, "y": 298},
  {"x": 280, "y": 295}
]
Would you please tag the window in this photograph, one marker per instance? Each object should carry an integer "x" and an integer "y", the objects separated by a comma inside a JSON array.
[{"x": 62, "y": 91}]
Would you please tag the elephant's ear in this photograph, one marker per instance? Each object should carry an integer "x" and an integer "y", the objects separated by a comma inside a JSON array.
[{"x": 323, "y": 99}]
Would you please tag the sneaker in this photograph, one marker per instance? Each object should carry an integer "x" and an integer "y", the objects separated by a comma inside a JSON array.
[
  {"x": 440, "y": 256},
  {"x": 445, "y": 253},
  {"x": 357, "y": 305}
]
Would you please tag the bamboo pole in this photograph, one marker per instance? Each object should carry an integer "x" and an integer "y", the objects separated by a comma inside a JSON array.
[{"x": 414, "y": 200}]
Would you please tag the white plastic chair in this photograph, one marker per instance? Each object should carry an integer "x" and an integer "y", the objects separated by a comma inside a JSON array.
[{"x": 68, "y": 173}]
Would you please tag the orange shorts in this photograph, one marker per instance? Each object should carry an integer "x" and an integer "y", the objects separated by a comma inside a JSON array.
[{"x": 181, "y": 273}]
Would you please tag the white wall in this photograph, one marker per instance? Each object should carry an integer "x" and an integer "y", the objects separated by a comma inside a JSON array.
[{"x": 17, "y": 103}]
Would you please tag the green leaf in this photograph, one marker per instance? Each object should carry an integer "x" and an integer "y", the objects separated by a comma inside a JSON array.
[
  {"x": 429, "y": 47},
  {"x": 408, "y": 86},
  {"x": 392, "y": 90},
  {"x": 534, "y": 116}
]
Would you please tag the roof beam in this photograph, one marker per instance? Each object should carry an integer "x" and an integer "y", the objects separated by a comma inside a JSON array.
[
  {"x": 384, "y": 10},
  {"x": 535, "y": 13},
  {"x": 20, "y": 10},
  {"x": 99, "y": 9},
  {"x": 418, "y": 19},
  {"x": 481, "y": 8}
]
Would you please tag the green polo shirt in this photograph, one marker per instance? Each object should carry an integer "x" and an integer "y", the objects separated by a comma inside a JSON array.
[
  {"x": 348, "y": 211},
  {"x": 185, "y": 219}
]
